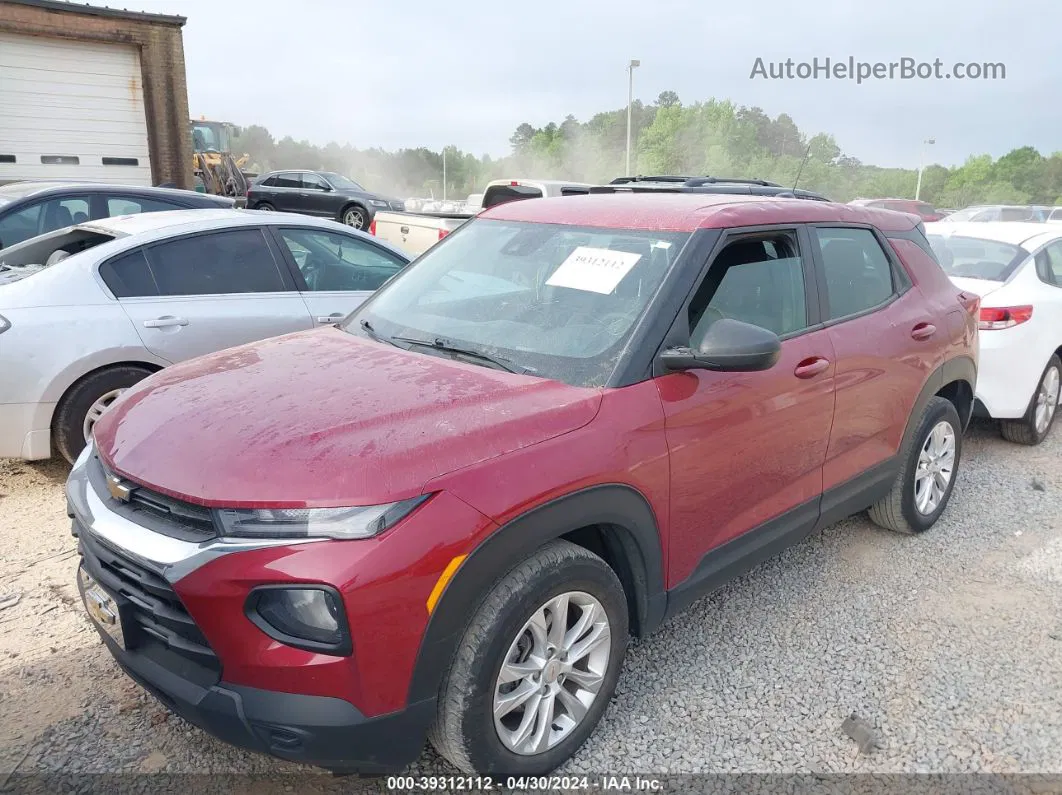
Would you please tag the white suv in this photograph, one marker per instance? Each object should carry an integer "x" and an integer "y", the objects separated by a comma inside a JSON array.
[{"x": 89, "y": 310}]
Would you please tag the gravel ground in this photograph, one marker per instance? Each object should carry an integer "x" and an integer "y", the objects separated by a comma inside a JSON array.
[{"x": 948, "y": 645}]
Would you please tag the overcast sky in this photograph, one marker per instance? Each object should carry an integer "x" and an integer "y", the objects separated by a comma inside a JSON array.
[{"x": 467, "y": 72}]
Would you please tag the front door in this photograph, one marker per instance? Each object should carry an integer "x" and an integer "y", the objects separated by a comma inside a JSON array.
[
  {"x": 338, "y": 271},
  {"x": 748, "y": 448},
  {"x": 195, "y": 295}
]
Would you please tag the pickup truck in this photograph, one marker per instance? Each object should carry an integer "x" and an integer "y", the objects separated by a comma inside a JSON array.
[{"x": 415, "y": 233}]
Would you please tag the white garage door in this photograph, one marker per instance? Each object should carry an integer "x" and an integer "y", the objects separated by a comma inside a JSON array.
[{"x": 71, "y": 110}]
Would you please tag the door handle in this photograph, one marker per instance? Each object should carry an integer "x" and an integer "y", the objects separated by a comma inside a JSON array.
[
  {"x": 332, "y": 318},
  {"x": 923, "y": 331},
  {"x": 404, "y": 230},
  {"x": 809, "y": 368},
  {"x": 165, "y": 322}
]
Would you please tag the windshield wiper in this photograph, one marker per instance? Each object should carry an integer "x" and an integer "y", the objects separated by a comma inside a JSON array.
[
  {"x": 365, "y": 324},
  {"x": 442, "y": 344}
]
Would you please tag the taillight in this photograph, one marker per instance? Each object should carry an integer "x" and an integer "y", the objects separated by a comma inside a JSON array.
[
  {"x": 443, "y": 233},
  {"x": 998, "y": 317},
  {"x": 372, "y": 227}
]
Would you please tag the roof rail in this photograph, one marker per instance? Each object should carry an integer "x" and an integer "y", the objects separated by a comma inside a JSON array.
[{"x": 693, "y": 182}]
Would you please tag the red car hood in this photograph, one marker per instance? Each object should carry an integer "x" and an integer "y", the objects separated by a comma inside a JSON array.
[{"x": 325, "y": 419}]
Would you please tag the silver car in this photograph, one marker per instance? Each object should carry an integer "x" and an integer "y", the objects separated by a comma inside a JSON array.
[{"x": 89, "y": 310}]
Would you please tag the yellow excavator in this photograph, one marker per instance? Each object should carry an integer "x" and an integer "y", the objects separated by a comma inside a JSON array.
[{"x": 217, "y": 170}]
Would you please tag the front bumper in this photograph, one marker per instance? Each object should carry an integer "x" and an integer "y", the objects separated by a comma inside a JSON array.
[
  {"x": 316, "y": 730},
  {"x": 313, "y": 729}
]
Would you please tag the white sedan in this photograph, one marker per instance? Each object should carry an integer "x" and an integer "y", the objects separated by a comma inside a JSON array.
[
  {"x": 89, "y": 310},
  {"x": 1016, "y": 268}
]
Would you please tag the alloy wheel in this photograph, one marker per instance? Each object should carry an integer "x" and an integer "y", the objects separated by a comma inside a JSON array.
[
  {"x": 1047, "y": 400},
  {"x": 96, "y": 410},
  {"x": 552, "y": 673},
  {"x": 936, "y": 465},
  {"x": 354, "y": 218}
]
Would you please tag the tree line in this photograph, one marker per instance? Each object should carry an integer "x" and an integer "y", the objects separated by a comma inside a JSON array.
[{"x": 714, "y": 137}]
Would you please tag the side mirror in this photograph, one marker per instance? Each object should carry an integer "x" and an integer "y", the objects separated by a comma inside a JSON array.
[
  {"x": 729, "y": 346},
  {"x": 326, "y": 188}
]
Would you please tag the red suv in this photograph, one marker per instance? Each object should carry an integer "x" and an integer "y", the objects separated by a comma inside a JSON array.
[{"x": 446, "y": 515}]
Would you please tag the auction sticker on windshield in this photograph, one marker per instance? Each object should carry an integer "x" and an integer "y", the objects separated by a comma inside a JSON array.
[{"x": 596, "y": 270}]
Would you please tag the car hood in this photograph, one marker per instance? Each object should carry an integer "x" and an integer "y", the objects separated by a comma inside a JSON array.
[{"x": 324, "y": 419}]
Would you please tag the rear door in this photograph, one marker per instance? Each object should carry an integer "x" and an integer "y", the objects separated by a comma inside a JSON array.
[
  {"x": 197, "y": 294},
  {"x": 335, "y": 272},
  {"x": 886, "y": 341},
  {"x": 285, "y": 193}
]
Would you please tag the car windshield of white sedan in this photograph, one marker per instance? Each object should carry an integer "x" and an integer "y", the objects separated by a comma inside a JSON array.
[
  {"x": 976, "y": 258},
  {"x": 552, "y": 300}
]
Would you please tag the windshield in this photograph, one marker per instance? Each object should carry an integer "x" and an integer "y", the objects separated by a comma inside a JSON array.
[
  {"x": 208, "y": 137},
  {"x": 339, "y": 181},
  {"x": 976, "y": 258},
  {"x": 551, "y": 300}
]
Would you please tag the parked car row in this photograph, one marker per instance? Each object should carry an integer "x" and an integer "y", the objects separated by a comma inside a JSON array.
[
  {"x": 456, "y": 499},
  {"x": 556, "y": 429}
]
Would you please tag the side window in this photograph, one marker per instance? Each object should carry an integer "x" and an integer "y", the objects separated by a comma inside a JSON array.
[
  {"x": 237, "y": 261},
  {"x": 1015, "y": 214},
  {"x": 289, "y": 180},
  {"x": 21, "y": 225},
  {"x": 128, "y": 276},
  {"x": 58, "y": 213},
  {"x": 755, "y": 280},
  {"x": 271, "y": 182},
  {"x": 1053, "y": 266},
  {"x": 130, "y": 205},
  {"x": 312, "y": 182},
  {"x": 332, "y": 262},
  {"x": 857, "y": 272}
]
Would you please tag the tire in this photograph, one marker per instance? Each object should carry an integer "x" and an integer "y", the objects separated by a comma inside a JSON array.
[
  {"x": 899, "y": 510},
  {"x": 265, "y": 207},
  {"x": 71, "y": 416},
  {"x": 354, "y": 216},
  {"x": 1026, "y": 430},
  {"x": 465, "y": 731}
]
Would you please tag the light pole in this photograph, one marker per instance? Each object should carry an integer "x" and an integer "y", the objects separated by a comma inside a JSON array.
[
  {"x": 630, "y": 101},
  {"x": 921, "y": 165}
]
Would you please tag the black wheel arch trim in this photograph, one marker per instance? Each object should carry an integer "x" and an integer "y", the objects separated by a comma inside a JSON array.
[
  {"x": 615, "y": 505},
  {"x": 960, "y": 368}
]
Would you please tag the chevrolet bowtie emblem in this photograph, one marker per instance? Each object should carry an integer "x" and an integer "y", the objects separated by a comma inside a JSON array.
[{"x": 118, "y": 489}]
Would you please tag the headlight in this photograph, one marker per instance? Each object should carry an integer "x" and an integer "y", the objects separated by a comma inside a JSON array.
[
  {"x": 339, "y": 523},
  {"x": 305, "y": 616},
  {"x": 378, "y": 203}
]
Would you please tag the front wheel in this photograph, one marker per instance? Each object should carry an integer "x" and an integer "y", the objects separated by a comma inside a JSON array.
[
  {"x": 1040, "y": 416},
  {"x": 536, "y": 667},
  {"x": 929, "y": 467},
  {"x": 353, "y": 216}
]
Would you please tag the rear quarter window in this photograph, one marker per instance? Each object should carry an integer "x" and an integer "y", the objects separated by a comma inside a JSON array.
[{"x": 128, "y": 276}]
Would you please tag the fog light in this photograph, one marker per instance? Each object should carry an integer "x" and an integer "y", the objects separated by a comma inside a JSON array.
[{"x": 306, "y": 617}]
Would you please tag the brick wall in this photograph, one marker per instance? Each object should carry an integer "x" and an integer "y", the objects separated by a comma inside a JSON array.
[{"x": 161, "y": 61}]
